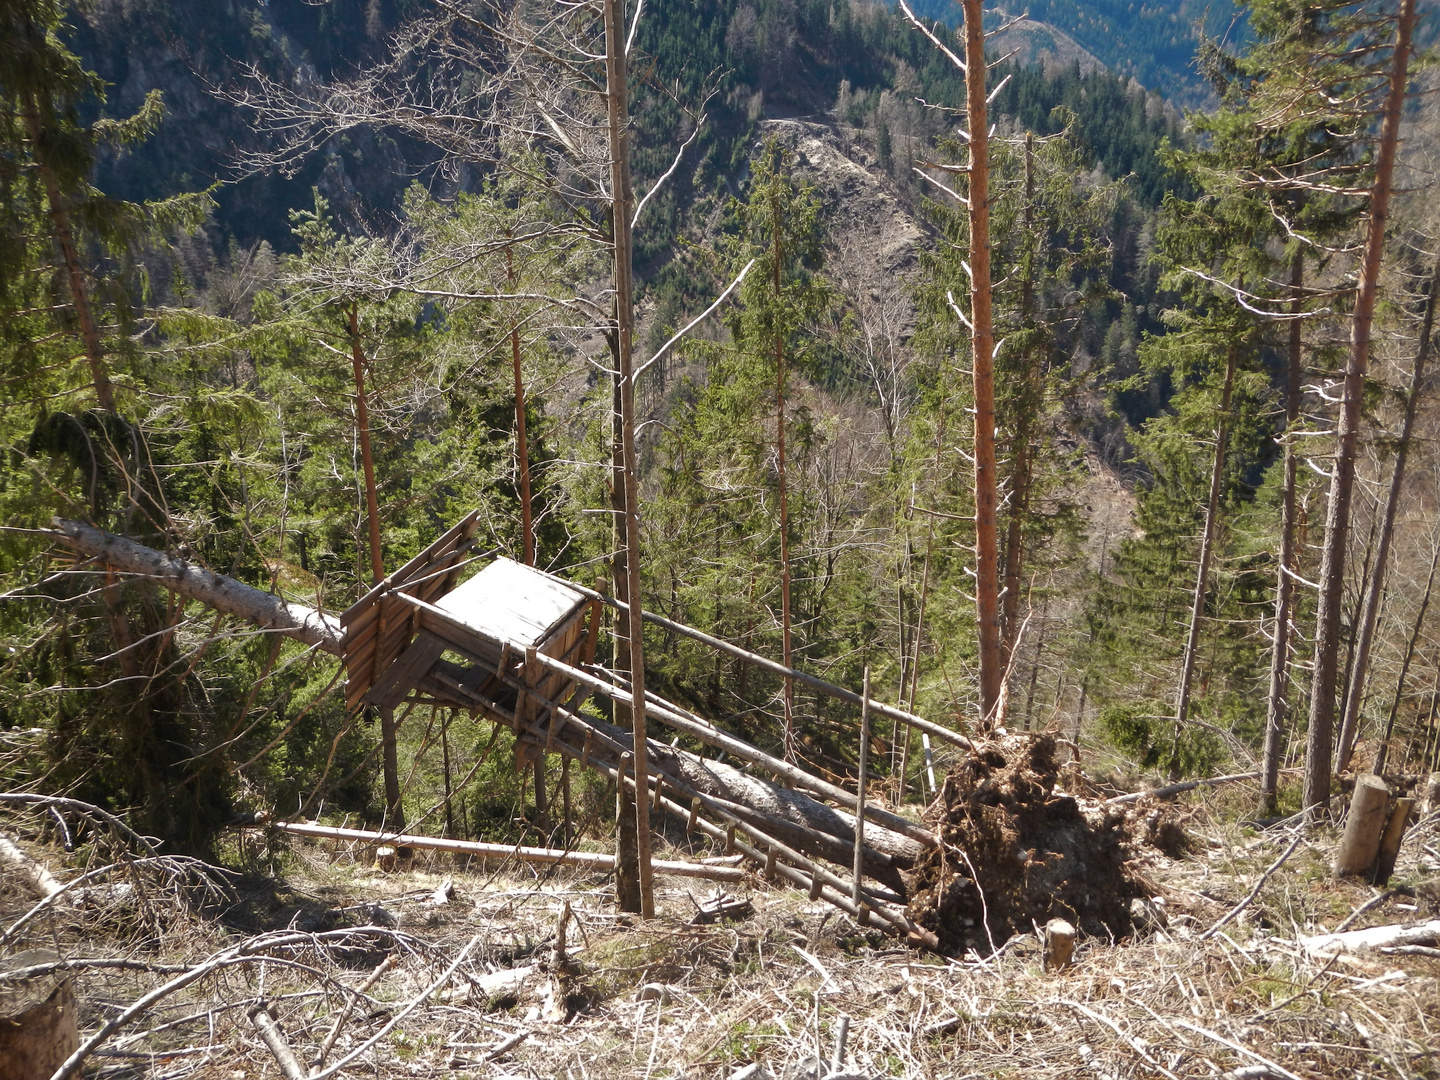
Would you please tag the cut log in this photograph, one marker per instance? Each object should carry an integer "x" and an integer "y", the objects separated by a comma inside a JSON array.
[
  {"x": 1373, "y": 939},
  {"x": 589, "y": 859},
  {"x": 222, "y": 593},
  {"x": 37, "y": 1021},
  {"x": 1361, "y": 842},
  {"x": 1391, "y": 839}
]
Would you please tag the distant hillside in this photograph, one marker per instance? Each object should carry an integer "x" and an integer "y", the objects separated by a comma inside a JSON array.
[
  {"x": 1153, "y": 42},
  {"x": 767, "y": 58}
]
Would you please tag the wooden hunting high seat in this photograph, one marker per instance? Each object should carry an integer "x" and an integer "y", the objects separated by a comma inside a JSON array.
[{"x": 421, "y": 636}]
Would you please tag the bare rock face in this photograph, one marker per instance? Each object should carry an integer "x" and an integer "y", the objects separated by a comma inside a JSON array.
[
  {"x": 1015, "y": 852},
  {"x": 876, "y": 236}
]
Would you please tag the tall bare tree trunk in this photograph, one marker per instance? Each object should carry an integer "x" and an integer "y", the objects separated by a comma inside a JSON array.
[
  {"x": 522, "y": 448},
  {"x": 622, "y": 200},
  {"x": 1202, "y": 574},
  {"x": 1365, "y": 637},
  {"x": 70, "y": 255},
  {"x": 1277, "y": 713},
  {"x": 786, "y": 643},
  {"x": 627, "y": 857},
  {"x": 982, "y": 341},
  {"x": 1320, "y": 738}
]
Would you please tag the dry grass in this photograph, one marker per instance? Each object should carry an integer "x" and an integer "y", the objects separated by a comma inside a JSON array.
[{"x": 667, "y": 999}]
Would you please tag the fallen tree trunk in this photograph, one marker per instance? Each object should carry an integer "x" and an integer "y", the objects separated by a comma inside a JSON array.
[
  {"x": 589, "y": 859},
  {"x": 806, "y": 824},
  {"x": 222, "y": 593},
  {"x": 35, "y": 875}
]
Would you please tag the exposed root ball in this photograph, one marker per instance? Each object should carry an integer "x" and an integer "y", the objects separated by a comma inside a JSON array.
[{"x": 1015, "y": 853}]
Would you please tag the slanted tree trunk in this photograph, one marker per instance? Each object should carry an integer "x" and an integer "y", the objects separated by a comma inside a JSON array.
[
  {"x": 982, "y": 344},
  {"x": 1365, "y": 636},
  {"x": 1277, "y": 713},
  {"x": 1320, "y": 737},
  {"x": 622, "y": 203},
  {"x": 1202, "y": 574},
  {"x": 1026, "y": 421},
  {"x": 224, "y": 594}
]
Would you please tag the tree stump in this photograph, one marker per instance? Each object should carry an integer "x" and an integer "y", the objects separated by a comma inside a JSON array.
[
  {"x": 385, "y": 859},
  {"x": 37, "y": 1022},
  {"x": 1361, "y": 842},
  {"x": 1059, "y": 944},
  {"x": 1390, "y": 840}
]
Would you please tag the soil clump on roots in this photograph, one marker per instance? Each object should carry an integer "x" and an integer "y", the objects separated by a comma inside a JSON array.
[{"x": 1015, "y": 852}]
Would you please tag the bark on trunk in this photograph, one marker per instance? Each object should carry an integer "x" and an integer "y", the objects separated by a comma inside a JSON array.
[
  {"x": 1202, "y": 575},
  {"x": 1349, "y": 726},
  {"x": 38, "y": 1032},
  {"x": 70, "y": 255},
  {"x": 222, "y": 593},
  {"x": 1320, "y": 738}
]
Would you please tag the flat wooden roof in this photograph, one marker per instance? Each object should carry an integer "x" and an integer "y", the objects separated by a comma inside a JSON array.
[{"x": 508, "y": 601}]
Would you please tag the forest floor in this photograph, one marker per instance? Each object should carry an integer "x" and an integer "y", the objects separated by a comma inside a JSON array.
[{"x": 473, "y": 986}]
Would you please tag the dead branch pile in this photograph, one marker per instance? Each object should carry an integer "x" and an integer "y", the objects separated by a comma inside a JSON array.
[{"x": 1016, "y": 852}]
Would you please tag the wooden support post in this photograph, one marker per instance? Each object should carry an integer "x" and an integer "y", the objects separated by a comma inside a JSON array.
[
  {"x": 585, "y": 749},
  {"x": 532, "y": 677},
  {"x": 655, "y": 802},
  {"x": 770, "y": 865},
  {"x": 694, "y": 813},
  {"x": 860, "y": 786},
  {"x": 394, "y": 811},
  {"x": 1391, "y": 839},
  {"x": 565, "y": 796},
  {"x": 1361, "y": 842},
  {"x": 815, "y": 886},
  {"x": 730, "y": 840}
]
